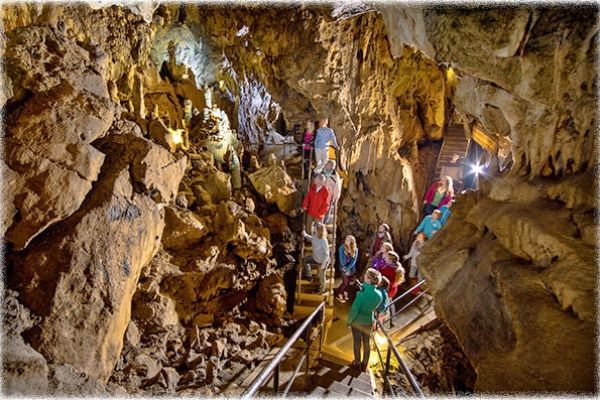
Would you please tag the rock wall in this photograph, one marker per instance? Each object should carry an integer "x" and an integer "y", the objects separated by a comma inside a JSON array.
[
  {"x": 85, "y": 207},
  {"x": 513, "y": 277},
  {"x": 377, "y": 105},
  {"x": 527, "y": 73}
]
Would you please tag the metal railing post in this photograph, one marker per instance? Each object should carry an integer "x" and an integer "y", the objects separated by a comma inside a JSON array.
[
  {"x": 322, "y": 333},
  {"x": 273, "y": 366},
  {"x": 403, "y": 366},
  {"x": 308, "y": 343},
  {"x": 387, "y": 360},
  {"x": 276, "y": 380}
]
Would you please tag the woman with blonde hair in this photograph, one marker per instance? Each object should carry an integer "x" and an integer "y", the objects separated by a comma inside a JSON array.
[
  {"x": 320, "y": 253},
  {"x": 347, "y": 257},
  {"x": 440, "y": 193}
]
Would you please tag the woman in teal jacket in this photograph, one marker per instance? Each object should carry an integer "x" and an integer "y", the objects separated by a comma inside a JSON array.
[{"x": 360, "y": 318}]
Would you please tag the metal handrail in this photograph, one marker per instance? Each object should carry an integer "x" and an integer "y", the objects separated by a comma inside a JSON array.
[
  {"x": 404, "y": 294},
  {"x": 273, "y": 366},
  {"x": 333, "y": 251},
  {"x": 391, "y": 347}
]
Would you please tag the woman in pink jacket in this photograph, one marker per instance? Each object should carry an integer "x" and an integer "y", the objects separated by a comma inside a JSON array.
[{"x": 439, "y": 193}]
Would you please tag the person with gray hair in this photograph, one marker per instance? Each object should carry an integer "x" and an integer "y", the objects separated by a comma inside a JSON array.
[
  {"x": 360, "y": 317},
  {"x": 323, "y": 136}
]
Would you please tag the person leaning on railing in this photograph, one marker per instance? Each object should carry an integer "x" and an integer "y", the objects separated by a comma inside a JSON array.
[{"x": 360, "y": 317}]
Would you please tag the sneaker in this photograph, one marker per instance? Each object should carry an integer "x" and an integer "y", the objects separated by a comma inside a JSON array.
[{"x": 340, "y": 299}]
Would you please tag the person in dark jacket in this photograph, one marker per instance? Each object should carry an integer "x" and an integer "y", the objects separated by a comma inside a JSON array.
[
  {"x": 360, "y": 317},
  {"x": 382, "y": 235}
]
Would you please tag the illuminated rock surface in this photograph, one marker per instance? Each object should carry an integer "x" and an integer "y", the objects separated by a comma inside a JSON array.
[{"x": 138, "y": 265}]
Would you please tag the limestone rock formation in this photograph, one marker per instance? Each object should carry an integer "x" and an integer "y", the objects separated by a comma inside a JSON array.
[
  {"x": 271, "y": 298},
  {"x": 96, "y": 262},
  {"x": 205, "y": 186},
  {"x": 277, "y": 187},
  {"x": 182, "y": 228},
  {"x": 48, "y": 141},
  {"x": 513, "y": 281},
  {"x": 246, "y": 232},
  {"x": 25, "y": 370}
]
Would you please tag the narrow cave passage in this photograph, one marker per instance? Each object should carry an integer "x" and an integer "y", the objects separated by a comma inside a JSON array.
[{"x": 394, "y": 200}]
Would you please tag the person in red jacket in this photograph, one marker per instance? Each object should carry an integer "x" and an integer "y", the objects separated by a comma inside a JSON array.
[
  {"x": 316, "y": 201},
  {"x": 440, "y": 192},
  {"x": 394, "y": 271}
]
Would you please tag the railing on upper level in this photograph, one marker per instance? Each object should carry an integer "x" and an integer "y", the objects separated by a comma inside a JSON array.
[
  {"x": 272, "y": 369},
  {"x": 391, "y": 306}
]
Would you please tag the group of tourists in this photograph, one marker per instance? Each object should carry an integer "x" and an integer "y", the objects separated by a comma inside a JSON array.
[{"x": 384, "y": 272}]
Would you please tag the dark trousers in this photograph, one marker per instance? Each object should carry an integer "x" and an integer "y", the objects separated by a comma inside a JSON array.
[
  {"x": 361, "y": 334},
  {"x": 306, "y": 165},
  {"x": 345, "y": 283},
  {"x": 428, "y": 208},
  {"x": 289, "y": 281}
]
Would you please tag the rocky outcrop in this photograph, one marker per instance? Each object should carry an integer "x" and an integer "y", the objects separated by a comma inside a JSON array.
[
  {"x": 514, "y": 281},
  {"x": 48, "y": 141},
  {"x": 245, "y": 231},
  {"x": 182, "y": 229},
  {"x": 524, "y": 73},
  {"x": 94, "y": 258},
  {"x": 25, "y": 370},
  {"x": 277, "y": 187}
]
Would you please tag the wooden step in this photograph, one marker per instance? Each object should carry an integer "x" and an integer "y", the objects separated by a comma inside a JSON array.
[{"x": 310, "y": 298}]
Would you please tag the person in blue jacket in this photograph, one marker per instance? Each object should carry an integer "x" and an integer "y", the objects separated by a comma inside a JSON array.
[
  {"x": 445, "y": 210},
  {"x": 347, "y": 257},
  {"x": 430, "y": 224}
]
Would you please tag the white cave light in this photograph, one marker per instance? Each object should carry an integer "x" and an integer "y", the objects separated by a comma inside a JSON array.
[{"x": 243, "y": 31}]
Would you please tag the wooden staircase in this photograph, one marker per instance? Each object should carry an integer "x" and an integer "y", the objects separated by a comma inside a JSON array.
[{"x": 455, "y": 142}]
